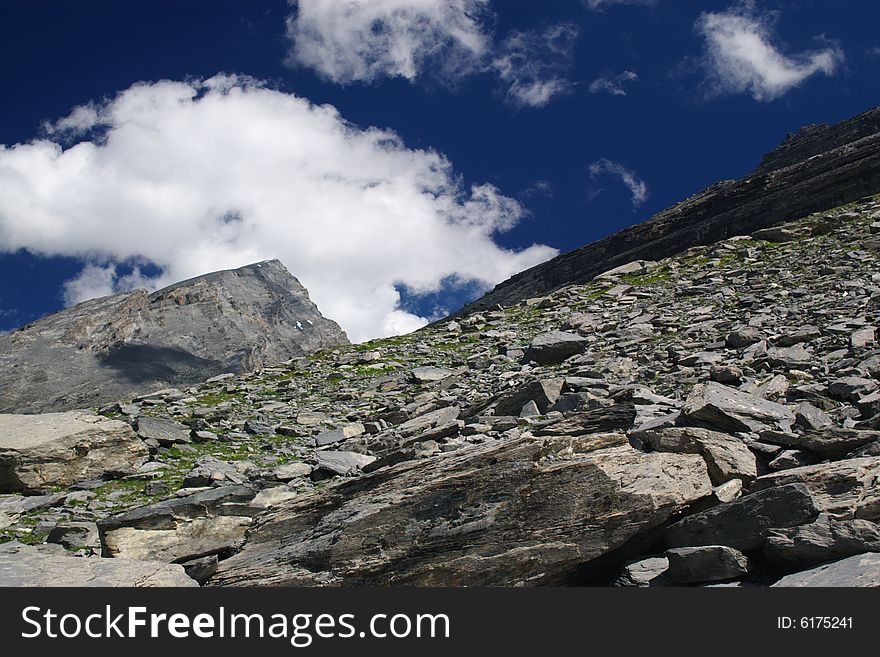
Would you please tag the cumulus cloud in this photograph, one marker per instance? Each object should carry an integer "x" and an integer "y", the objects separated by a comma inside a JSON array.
[
  {"x": 613, "y": 84},
  {"x": 360, "y": 40},
  {"x": 741, "y": 56},
  {"x": 637, "y": 188},
  {"x": 366, "y": 40},
  {"x": 533, "y": 65},
  {"x": 205, "y": 175}
]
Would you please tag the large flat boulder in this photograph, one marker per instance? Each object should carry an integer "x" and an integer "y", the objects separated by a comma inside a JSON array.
[
  {"x": 180, "y": 529},
  {"x": 523, "y": 511},
  {"x": 722, "y": 408},
  {"x": 842, "y": 489},
  {"x": 28, "y": 567},
  {"x": 862, "y": 570},
  {"x": 726, "y": 456},
  {"x": 38, "y": 452}
]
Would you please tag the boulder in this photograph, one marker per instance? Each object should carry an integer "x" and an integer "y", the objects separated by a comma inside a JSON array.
[
  {"x": 727, "y": 457},
  {"x": 517, "y": 512},
  {"x": 744, "y": 523},
  {"x": 75, "y": 535},
  {"x": 554, "y": 347},
  {"x": 708, "y": 563},
  {"x": 859, "y": 571},
  {"x": 59, "y": 449},
  {"x": 164, "y": 431},
  {"x": 843, "y": 489},
  {"x": 647, "y": 572},
  {"x": 607, "y": 418},
  {"x": 544, "y": 393},
  {"x": 180, "y": 529},
  {"x": 342, "y": 463},
  {"x": 28, "y": 567},
  {"x": 430, "y": 374},
  {"x": 339, "y": 435},
  {"x": 718, "y": 407},
  {"x": 826, "y": 539}
]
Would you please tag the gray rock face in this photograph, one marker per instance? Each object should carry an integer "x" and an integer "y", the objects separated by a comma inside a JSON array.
[
  {"x": 28, "y": 567},
  {"x": 839, "y": 164},
  {"x": 59, "y": 449},
  {"x": 710, "y": 563},
  {"x": 726, "y": 456},
  {"x": 182, "y": 529},
  {"x": 544, "y": 393},
  {"x": 523, "y": 512},
  {"x": 722, "y": 408},
  {"x": 743, "y": 523},
  {"x": 554, "y": 347},
  {"x": 826, "y": 539},
  {"x": 860, "y": 571},
  {"x": 119, "y": 346}
]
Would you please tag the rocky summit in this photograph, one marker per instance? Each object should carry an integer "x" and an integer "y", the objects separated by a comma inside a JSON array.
[
  {"x": 711, "y": 418},
  {"x": 128, "y": 344}
]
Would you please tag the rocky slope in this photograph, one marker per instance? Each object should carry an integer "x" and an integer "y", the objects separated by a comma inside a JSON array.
[
  {"x": 819, "y": 168},
  {"x": 712, "y": 417},
  {"x": 126, "y": 344}
]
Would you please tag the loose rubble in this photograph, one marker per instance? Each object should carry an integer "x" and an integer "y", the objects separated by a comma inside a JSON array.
[{"x": 711, "y": 417}]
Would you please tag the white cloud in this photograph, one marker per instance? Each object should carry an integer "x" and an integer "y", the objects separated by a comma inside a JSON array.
[
  {"x": 361, "y": 40},
  {"x": 200, "y": 176},
  {"x": 601, "y": 4},
  {"x": 533, "y": 65},
  {"x": 637, "y": 188},
  {"x": 613, "y": 84},
  {"x": 366, "y": 40},
  {"x": 741, "y": 57}
]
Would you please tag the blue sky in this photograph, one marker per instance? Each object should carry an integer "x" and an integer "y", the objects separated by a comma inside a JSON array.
[{"x": 399, "y": 157}]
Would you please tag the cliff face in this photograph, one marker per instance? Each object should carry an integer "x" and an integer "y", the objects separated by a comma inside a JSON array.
[
  {"x": 818, "y": 168},
  {"x": 118, "y": 346}
]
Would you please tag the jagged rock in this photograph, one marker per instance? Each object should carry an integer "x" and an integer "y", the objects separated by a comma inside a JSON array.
[
  {"x": 725, "y": 409},
  {"x": 727, "y": 457},
  {"x": 119, "y": 346},
  {"x": 635, "y": 267},
  {"x": 826, "y": 539},
  {"x": 59, "y": 449},
  {"x": 202, "y": 568},
  {"x": 74, "y": 535},
  {"x": 851, "y": 388},
  {"x": 647, "y": 572},
  {"x": 809, "y": 417},
  {"x": 742, "y": 337},
  {"x": 339, "y": 435},
  {"x": 554, "y": 347},
  {"x": 210, "y": 471},
  {"x": 27, "y": 567},
  {"x": 710, "y": 563},
  {"x": 182, "y": 529},
  {"x": 422, "y": 423},
  {"x": 162, "y": 430},
  {"x": 257, "y": 428},
  {"x": 342, "y": 463},
  {"x": 544, "y": 393},
  {"x": 477, "y": 516},
  {"x": 609, "y": 418},
  {"x": 743, "y": 524},
  {"x": 859, "y": 571},
  {"x": 843, "y": 489},
  {"x": 830, "y": 443}
]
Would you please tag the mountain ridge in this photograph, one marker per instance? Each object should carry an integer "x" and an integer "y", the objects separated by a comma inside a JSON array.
[
  {"x": 815, "y": 169},
  {"x": 233, "y": 320}
]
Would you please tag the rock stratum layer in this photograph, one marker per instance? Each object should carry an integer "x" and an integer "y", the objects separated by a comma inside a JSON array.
[
  {"x": 119, "y": 346},
  {"x": 818, "y": 168}
]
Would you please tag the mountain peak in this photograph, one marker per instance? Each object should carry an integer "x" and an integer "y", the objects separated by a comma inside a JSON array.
[{"x": 235, "y": 320}]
